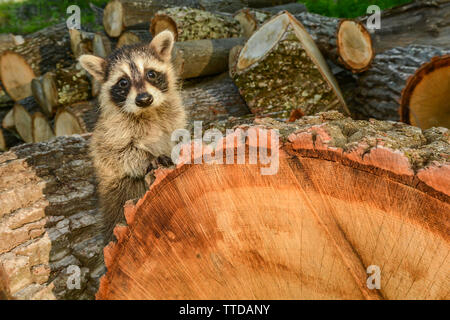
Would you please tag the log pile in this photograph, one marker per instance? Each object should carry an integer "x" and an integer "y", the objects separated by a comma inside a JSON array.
[{"x": 349, "y": 191}]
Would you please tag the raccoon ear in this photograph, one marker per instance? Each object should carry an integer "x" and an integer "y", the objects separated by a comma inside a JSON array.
[
  {"x": 162, "y": 43},
  {"x": 96, "y": 66}
]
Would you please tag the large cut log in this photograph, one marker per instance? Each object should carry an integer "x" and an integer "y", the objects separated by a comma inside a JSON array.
[
  {"x": 280, "y": 69},
  {"x": 76, "y": 119},
  {"x": 346, "y": 195},
  {"x": 41, "y": 129},
  {"x": 213, "y": 99},
  {"x": 420, "y": 22},
  {"x": 379, "y": 89},
  {"x": 64, "y": 86},
  {"x": 8, "y": 120},
  {"x": 49, "y": 221},
  {"x": 193, "y": 24},
  {"x": 206, "y": 57},
  {"x": 40, "y": 53}
]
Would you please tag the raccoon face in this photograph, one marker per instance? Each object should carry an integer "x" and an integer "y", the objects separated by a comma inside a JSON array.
[{"x": 135, "y": 78}]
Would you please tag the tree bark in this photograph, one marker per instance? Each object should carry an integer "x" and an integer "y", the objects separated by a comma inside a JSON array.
[
  {"x": 213, "y": 99},
  {"x": 420, "y": 22},
  {"x": 282, "y": 75},
  {"x": 343, "y": 190},
  {"x": 45, "y": 49},
  {"x": 49, "y": 220},
  {"x": 380, "y": 88}
]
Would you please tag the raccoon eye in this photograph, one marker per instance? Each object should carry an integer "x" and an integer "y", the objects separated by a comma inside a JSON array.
[
  {"x": 151, "y": 74},
  {"x": 123, "y": 83}
]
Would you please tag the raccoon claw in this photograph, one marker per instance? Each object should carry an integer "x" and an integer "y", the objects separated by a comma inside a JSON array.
[{"x": 164, "y": 161}]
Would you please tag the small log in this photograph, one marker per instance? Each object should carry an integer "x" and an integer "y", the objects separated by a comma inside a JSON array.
[
  {"x": 23, "y": 112},
  {"x": 46, "y": 48},
  {"x": 86, "y": 115},
  {"x": 65, "y": 86},
  {"x": 199, "y": 58},
  {"x": 76, "y": 119},
  {"x": 280, "y": 69},
  {"x": 379, "y": 89},
  {"x": 194, "y": 24},
  {"x": 40, "y": 53},
  {"x": 134, "y": 36},
  {"x": 419, "y": 22},
  {"x": 425, "y": 99},
  {"x": 213, "y": 99},
  {"x": 346, "y": 195},
  {"x": 8, "y": 120},
  {"x": 101, "y": 45},
  {"x": 80, "y": 42},
  {"x": 120, "y": 15},
  {"x": 251, "y": 19},
  {"x": 49, "y": 220},
  {"x": 16, "y": 75},
  {"x": 40, "y": 129}
]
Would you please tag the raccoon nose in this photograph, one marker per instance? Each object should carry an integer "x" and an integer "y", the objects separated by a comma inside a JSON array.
[{"x": 144, "y": 100}]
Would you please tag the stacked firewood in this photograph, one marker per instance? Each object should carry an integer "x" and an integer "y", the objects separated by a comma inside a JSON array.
[{"x": 283, "y": 65}]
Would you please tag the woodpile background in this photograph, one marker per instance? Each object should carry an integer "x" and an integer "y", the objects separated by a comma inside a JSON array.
[{"x": 333, "y": 89}]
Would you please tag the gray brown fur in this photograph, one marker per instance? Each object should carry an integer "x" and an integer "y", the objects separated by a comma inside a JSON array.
[{"x": 128, "y": 138}]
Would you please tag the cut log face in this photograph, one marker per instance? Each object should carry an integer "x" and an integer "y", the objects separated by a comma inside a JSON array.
[
  {"x": 66, "y": 124},
  {"x": 426, "y": 98},
  {"x": 16, "y": 75},
  {"x": 41, "y": 129},
  {"x": 281, "y": 69},
  {"x": 354, "y": 45},
  {"x": 23, "y": 112},
  {"x": 194, "y": 24},
  {"x": 225, "y": 231}
]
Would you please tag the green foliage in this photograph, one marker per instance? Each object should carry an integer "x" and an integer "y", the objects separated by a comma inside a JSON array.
[
  {"x": 347, "y": 8},
  {"x": 26, "y": 16}
]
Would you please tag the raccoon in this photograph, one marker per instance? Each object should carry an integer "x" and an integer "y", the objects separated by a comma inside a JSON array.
[{"x": 140, "y": 106}]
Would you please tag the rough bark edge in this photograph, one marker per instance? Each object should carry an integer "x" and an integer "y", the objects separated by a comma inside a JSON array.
[
  {"x": 415, "y": 79},
  {"x": 313, "y": 142},
  {"x": 341, "y": 60}
]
